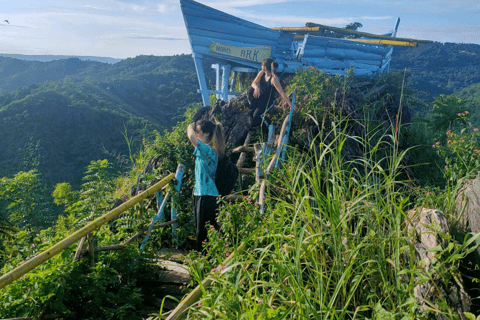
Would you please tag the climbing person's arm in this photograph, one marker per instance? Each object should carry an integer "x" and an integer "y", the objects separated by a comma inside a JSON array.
[
  {"x": 192, "y": 136},
  {"x": 255, "y": 84},
  {"x": 278, "y": 86}
]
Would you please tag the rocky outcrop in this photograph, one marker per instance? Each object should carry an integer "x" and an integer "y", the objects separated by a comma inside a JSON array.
[
  {"x": 235, "y": 117},
  {"x": 427, "y": 226},
  {"x": 468, "y": 209}
]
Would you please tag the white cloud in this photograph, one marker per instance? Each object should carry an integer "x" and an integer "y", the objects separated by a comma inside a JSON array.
[{"x": 376, "y": 18}]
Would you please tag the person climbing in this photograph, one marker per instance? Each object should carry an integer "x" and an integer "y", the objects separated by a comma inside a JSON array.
[
  {"x": 260, "y": 94},
  {"x": 207, "y": 138}
]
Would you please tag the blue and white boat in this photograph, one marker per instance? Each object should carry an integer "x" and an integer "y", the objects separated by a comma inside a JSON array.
[{"x": 234, "y": 44}]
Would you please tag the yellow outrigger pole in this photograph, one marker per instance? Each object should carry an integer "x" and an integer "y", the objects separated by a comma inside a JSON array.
[{"x": 313, "y": 28}]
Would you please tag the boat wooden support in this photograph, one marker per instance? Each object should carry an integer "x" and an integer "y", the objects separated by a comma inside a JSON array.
[{"x": 32, "y": 263}]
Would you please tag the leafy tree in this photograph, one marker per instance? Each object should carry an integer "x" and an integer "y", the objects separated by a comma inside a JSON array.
[
  {"x": 446, "y": 110},
  {"x": 20, "y": 196},
  {"x": 354, "y": 26}
]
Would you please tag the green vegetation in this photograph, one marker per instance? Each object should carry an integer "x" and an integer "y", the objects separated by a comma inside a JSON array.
[
  {"x": 332, "y": 244},
  {"x": 438, "y": 68},
  {"x": 63, "y": 114}
]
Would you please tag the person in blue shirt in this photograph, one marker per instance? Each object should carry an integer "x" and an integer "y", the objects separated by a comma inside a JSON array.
[{"x": 208, "y": 140}]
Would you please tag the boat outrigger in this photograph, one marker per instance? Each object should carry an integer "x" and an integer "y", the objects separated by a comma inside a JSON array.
[{"x": 240, "y": 46}]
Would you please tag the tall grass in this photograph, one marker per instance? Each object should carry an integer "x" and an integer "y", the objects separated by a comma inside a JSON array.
[{"x": 332, "y": 245}]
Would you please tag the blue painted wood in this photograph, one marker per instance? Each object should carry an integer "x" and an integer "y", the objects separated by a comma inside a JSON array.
[
  {"x": 178, "y": 178},
  {"x": 331, "y": 55},
  {"x": 206, "y": 41},
  {"x": 158, "y": 217},
  {"x": 194, "y": 7},
  {"x": 352, "y": 54},
  {"x": 221, "y": 37},
  {"x": 270, "y": 136},
  {"x": 345, "y": 44},
  {"x": 231, "y": 28},
  {"x": 201, "y": 78},
  {"x": 317, "y": 52},
  {"x": 224, "y": 59},
  {"x": 388, "y": 57},
  {"x": 341, "y": 64}
]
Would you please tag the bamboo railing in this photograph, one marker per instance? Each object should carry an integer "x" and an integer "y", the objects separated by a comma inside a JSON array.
[{"x": 31, "y": 264}]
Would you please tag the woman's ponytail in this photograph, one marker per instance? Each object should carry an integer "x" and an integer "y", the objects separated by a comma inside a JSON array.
[{"x": 218, "y": 140}]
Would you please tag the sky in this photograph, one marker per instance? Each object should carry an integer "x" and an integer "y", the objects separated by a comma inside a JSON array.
[{"x": 128, "y": 28}]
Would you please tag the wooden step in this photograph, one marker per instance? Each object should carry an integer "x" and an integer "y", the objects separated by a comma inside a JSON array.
[
  {"x": 246, "y": 170},
  {"x": 243, "y": 149},
  {"x": 243, "y": 155}
]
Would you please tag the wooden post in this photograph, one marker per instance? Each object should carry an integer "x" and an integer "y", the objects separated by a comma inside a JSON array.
[
  {"x": 78, "y": 253},
  {"x": 261, "y": 196},
  {"x": 32, "y": 263},
  {"x": 91, "y": 249},
  {"x": 243, "y": 155},
  {"x": 259, "y": 154},
  {"x": 197, "y": 58}
]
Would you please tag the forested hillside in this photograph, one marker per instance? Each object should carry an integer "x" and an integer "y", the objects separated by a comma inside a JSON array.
[
  {"x": 66, "y": 113},
  {"x": 46, "y": 58},
  {"x": 438, "y": 68}
]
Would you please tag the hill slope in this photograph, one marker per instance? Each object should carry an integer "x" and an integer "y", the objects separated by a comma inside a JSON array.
[
  {"x": 87, "y": 109},
  {"x": 438, "y": 68}
]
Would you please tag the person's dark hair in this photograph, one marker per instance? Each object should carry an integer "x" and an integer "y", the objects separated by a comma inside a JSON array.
[
  {"x": 274, "y": 66},
  {"x": 214, "y": 132},
  {"x": 267, "y": 62}
]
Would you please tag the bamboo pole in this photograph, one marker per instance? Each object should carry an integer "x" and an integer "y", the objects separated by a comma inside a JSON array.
[
  {"x": 29, "y": 265},
  {"x": 387, "y": 42},
  {"x": 314, "y": 27}
]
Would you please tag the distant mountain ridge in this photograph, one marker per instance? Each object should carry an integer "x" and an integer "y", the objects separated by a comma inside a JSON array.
[
  {"x": 438, "y": 68},
  {"x": 47, "y": 58},
  {"x": 75, "y": 111}
]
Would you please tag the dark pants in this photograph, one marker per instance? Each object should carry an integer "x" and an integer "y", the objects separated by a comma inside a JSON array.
[
  {"x": 257, "y": 106},
  {"x": 204, "y": 210}
]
